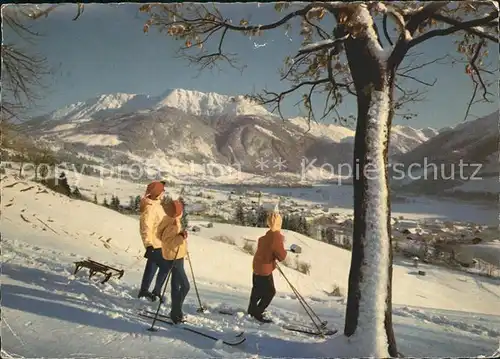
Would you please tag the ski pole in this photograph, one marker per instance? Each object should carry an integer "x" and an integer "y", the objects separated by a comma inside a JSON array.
[
  {"x": 308, "y": 307},
  {"x": 153, "y": 329},
  {"x": 302, "y": 301},
  {"x": 201, "y": 308},
  {"x": 301, "y": 298}
]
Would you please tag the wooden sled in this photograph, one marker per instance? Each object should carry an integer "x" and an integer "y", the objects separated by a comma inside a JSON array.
[{"x": 96, "y": 267}]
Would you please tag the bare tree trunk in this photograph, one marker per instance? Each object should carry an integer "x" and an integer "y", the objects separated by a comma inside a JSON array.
[{"x": 369, "y": 302}]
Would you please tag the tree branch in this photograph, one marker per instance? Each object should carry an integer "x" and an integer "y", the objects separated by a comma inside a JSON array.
[
  {"x": 23, "y": 71},
  {"x": 386, "y": 31},
  {"x": 471, "y": 30},
  {"x": 459, "y": 26},
  {"x": 321, "y": 45}
]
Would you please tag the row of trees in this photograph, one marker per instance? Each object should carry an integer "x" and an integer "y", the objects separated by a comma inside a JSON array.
[{"x": 258, "y": 218}]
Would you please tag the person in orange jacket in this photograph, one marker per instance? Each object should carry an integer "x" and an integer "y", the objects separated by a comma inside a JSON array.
[{"x": 270, "y": 248}]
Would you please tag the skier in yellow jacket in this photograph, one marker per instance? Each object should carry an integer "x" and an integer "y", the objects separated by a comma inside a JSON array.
[
  {"x": 150, "y": 224},
  {"x": 174, "y": 249}
]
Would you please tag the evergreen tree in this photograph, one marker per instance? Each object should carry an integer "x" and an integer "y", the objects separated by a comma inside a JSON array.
[
  {"x": 293, "y": 223},
  {"x": 184, "y": 218},
  {"x": 76, "y": 193},
  {"x": 63, "y": 184},
  {"x": 286, "y": 222},
  {"x": 251, "y": 218},
  {"x": 105, "y": 202},
  {"x": 95, "y": 198},
  {"x": 137, "y": 203},
  {"x": 300, "y": 224},
  {"x": 116, "y": 202},
  {"x": 330, "y": 235},
  {"x": 239, "y": 216},
  {"x": 304, "y": 226}
]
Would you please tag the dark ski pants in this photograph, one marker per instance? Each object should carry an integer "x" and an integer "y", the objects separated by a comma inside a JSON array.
[
  {"x": 263, "y": 292},
  {"x": 154, "y": 263},
  {"x": 179, "y": 286}
]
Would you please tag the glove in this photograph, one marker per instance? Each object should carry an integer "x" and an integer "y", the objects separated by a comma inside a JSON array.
[
  {"x": 184, "y": 234},
  {"x": 149, "y": 251},
  {"x": 294, "y": 248}
]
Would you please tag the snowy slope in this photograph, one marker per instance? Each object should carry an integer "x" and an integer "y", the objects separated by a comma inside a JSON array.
[
  {"x": 407, "y": 138},
  {"x": 49, "y": 312},
  {"x": 333, "y": 132}
]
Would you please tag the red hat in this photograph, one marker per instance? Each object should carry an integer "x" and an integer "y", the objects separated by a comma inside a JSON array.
[
  {"x": 174, "y": 209},
  {"x": 154, "y": 189}
]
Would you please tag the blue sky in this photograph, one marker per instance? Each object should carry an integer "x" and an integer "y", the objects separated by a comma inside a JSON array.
[{"x": 106, "y": 51}]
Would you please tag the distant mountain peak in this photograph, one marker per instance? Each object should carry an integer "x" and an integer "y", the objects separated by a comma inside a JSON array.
[{"x": 210, "y": 103}]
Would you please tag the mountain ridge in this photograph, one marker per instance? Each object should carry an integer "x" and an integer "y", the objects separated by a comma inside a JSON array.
[{"x": 184, "y": 125}]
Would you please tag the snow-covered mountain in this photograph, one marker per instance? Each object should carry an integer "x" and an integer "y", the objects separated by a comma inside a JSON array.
[
  {"x": 195, "y": 126},
  {"x": 101, "y": 105},
  {"x": 189, "y": 101},
  {"x": 460, "y": 159},
  {"x": 209, "y": 104}
]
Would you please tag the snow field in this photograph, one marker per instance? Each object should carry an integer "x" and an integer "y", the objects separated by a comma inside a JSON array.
[{"x": 48, "y": 311}]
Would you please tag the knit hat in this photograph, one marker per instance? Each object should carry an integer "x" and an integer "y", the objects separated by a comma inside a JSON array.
[
  {"x": 154, "y": 189},
  {"x": 174, "y": 209}
]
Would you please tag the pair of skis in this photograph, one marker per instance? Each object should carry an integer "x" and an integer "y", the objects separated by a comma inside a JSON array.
[
  {"x": 185, "y": 326},
  {"x": 324, "y": 331}
]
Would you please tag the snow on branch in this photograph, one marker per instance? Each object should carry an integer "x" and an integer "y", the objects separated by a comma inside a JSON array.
[{"x": 321, "y": 45}]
